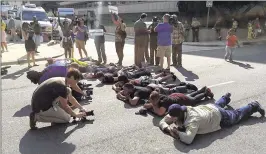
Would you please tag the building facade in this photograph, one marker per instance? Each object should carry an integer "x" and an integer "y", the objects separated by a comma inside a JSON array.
[{"x": 128, "y": 10}]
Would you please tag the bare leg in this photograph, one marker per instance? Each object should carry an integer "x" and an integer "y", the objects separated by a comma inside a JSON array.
[
  {"x": 2, "y": 46},
  {"x": 5, "y": 45},
  {"x": 161, "y": 61},
  {"x": 168, "y": 62},
  {"x": 33, "y": 58},
  {"x": 80, "y": 53},
  {"x": 28, "y": 58},
  {"x": 85, "y": 52}
]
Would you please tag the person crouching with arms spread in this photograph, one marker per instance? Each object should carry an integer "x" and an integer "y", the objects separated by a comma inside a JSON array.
[{"x": 50, "y": 100}]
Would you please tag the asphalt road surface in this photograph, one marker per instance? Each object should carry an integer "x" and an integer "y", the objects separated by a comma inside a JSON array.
[{"x": 117, "y": 129}]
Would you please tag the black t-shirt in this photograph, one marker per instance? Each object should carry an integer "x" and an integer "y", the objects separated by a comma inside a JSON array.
[
  {"x": 142, "y": 92},
  {"x": 175, "y": 98},
  {"x": 47, "y": 92},
  {"x": 100, "y": 39},
  {"x": 108, "y": 78}
]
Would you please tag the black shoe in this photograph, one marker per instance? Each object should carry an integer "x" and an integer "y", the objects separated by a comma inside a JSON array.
[
  {"x": 182, "y": 84},
  {"x": 258, "y": 108},
  {"x": 37, "y": 52},
  {"x": 173, "y": 76},
  {"x": 191, "y": 87},
  {"x": 203, "y": 89},
  {"x": 142, "y": 112},
  {"x": 32, "y": 121},
  {"x": 209, "y": 93},
  {"x": 173, "y": 65}
]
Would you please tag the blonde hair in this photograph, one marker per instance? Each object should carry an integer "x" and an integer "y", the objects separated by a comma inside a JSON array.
[{"x": 74, "y": 65}]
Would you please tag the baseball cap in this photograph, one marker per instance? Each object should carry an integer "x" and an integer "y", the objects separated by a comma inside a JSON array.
[{"x": 175, "y": 110}]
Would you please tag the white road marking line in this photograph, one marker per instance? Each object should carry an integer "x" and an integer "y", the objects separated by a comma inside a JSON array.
[{"x": 219, "y": 84}]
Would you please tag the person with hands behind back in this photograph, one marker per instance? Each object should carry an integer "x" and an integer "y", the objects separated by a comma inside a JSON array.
[{"x": 50, "y": 100}]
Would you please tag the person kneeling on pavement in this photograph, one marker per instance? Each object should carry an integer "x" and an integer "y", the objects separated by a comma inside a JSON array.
[
  {"x": 159, "y": 103},
  {"x": 205, "y": 119},
  {"x": 50, "y": 100}
]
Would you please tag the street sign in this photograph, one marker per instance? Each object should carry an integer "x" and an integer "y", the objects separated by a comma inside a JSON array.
[
  {"x": 113, "y": 9},
  {"x": 96, "y": 32},
  {"x": 209, "y": 3}
]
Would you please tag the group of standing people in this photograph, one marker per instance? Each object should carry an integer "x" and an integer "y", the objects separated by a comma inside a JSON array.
[
  {"x": 165, "y": 40},
  {"x": 69, "y": 29}
]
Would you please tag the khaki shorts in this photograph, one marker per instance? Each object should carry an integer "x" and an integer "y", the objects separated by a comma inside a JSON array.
[
  {"x": 164, "y": 51},
  {"x": 80, "y": 44}
]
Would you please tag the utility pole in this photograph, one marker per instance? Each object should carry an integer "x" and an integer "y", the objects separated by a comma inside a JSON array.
[{"x": 208, "y": 5}]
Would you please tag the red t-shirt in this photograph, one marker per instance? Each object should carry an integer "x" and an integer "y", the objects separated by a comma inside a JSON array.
[{"x": 231, "y": 41}]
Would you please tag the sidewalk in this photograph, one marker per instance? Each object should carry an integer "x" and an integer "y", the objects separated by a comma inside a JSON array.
[
  {"x": 259, "y": 40},
  {"x": 17, "y": 54}
]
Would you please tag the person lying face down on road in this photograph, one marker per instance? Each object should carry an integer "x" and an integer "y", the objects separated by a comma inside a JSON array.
[
  {"x": 50, "y": 100},
  {"x": 159, "y": 103},
  {"x": 53, "y": 71},
  {"x": 144, "y": 81},
  {"x": 135, "y": 95},
  {"x": 204, "y": 119}
]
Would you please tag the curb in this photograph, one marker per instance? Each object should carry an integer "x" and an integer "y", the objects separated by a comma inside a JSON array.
[
  {"x": 254, "y": 42},
  {"x": 205, "y": 45},
  {"x": 209, "y": 45},
  {"x": 25, "y": 61}
]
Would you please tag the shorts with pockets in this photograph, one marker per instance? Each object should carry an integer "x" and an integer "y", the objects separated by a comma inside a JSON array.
[{"x": 164, "y": 51}]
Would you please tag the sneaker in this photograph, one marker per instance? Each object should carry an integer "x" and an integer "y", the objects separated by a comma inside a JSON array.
[
  {"x": 209, "y": 93},
  {"x": 182, "y": 84},
  {"x": 191, "y": 87},
  {"x": 142, "y": 112},
  {"x": 259, "y": 108},
  {"x": 32, "y": 121},
  {"x": 173, "y": 76}
]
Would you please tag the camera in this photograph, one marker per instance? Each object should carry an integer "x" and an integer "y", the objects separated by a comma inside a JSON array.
[
  {"x": 86, "y": 88},
  {"x": 89, "y": 113},
  {"x": 173, "y": 19}
]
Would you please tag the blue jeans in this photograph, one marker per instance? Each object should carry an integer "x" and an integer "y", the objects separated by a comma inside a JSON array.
[{"x": 232, "y": 117}]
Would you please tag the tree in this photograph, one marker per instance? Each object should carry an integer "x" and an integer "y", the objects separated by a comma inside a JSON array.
[{"x": 51, "y": 6}]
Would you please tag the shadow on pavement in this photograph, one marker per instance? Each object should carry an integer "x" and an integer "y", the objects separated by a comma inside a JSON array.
[
  {"x": 203, "y": 141},
  {"x": 254, "y": 54},
  {"x": 49, "y": 139},
  {"x": 16, "y": 74},
  {"x": 245, "y": 66},
  {"x": 23, "y": 112},
  {"x": 190, "y": 76}
]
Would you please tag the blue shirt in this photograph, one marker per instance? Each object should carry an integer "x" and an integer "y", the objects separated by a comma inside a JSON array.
[
  {"x": 53, "y": 71},
  {"x": 81, "y": 35},
  {"x": 164, "y": 34}
]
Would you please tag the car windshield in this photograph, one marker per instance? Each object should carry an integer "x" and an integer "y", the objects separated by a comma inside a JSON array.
[{"x": 28, "y": 15}]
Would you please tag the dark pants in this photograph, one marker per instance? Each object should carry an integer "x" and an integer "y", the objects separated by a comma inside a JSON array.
[
  {"x": 140, "y": 49},
  {"x": 119, "y": 46},
  {"x": 68, "y": 53},
  {"x": 195, "y": 34},
  {"x": 140, "y": 73},
  {"x": 186, "y": 35},
  {"x": 153, "y": 53},
  {"x": 146, "y": 53},
  {"x": 195, "y": 97},
  {"x": 101, "y": 52},
  {"x": 218, "y": 34},
  {"x": 232, "y": 117},
  {"x": 177, "y": 54}
]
